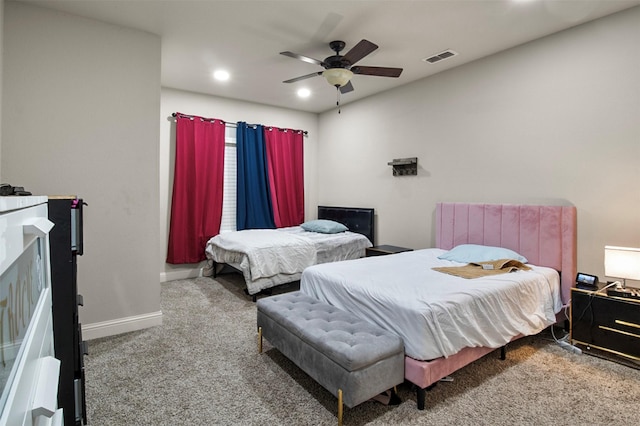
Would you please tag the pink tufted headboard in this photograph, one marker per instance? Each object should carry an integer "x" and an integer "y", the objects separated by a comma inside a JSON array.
[{"x": 545, "y": 235}]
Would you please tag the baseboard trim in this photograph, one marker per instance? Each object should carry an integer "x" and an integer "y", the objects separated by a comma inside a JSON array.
[
  {"x": 180, "y": 275},
  {"x": 121, "y": 325}
]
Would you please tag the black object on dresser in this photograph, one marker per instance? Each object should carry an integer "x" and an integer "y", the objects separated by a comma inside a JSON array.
[
  {"x": 606, "y": 326},
  {"x": 66, "y": 243}
]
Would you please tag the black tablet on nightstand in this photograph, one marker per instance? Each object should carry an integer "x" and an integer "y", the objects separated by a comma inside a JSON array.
[{"x": 586, "y": 281}]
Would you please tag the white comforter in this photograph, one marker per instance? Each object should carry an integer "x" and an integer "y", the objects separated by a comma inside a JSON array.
[
  {"x": 293, "y": 254},
  {"x": 269, "y": 257},
  {"x": 438, "y": 314}
]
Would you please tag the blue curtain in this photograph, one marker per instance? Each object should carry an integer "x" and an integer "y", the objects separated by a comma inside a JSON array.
[{"x": 253, "y": 208}]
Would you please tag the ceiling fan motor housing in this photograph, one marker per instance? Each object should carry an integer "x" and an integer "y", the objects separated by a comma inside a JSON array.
[{"x": 336, "y": 61}]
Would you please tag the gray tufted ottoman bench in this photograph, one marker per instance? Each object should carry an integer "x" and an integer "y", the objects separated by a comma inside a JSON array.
[{"x": 351, "y": 358}]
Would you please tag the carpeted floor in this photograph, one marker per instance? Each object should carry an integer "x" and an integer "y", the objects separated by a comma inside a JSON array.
[{"x": 201, "y": 367}]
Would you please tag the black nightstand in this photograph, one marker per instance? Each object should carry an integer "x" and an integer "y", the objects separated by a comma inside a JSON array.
[
  {"x": 385, "y": 249},
  {"x": 606, "y": 326}
]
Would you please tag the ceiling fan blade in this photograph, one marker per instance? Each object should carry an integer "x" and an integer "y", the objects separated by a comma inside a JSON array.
[
  {"x": 304, "y": 58},
  {"x": 359, "y": 51},
  {"x": 303, "y": 77},
  {"x": 379, "y": 71},
  {"x": 346, "y": 88}
]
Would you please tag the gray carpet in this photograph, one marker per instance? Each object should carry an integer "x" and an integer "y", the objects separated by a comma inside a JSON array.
[{"x": 201, "y": 367}]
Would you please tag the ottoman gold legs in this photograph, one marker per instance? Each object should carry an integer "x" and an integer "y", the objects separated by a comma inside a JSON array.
[
  {"x": 339, "y": 407},
  {"x": 259, "y": 340}
]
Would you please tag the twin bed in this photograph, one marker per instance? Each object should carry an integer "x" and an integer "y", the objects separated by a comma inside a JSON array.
[
  {"x": 270, "y": 257},
  {"x": 446, "y": 321}
]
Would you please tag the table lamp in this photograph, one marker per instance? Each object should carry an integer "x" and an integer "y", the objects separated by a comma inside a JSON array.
[{"x": 622, "y": 262}]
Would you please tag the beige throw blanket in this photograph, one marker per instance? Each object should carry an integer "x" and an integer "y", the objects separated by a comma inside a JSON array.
[{"x": 483, "y": 269}]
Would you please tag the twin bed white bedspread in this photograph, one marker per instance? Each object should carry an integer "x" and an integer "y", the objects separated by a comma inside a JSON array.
[
  {"x": 438, "y": 314},
  {"x": 269, "y": 257},
  {"x": 293, "y": 254}
]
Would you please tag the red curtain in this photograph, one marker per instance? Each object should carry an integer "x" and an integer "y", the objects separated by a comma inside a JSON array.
[
  {"x": 285, "y": 159},
  {"x": 196, "y": 205}
]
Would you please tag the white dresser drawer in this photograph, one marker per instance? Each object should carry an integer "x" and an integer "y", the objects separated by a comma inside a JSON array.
[{"x": 28, "y": 371}]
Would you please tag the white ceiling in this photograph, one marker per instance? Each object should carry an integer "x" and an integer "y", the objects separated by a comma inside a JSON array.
[{"x": 245, "y": 38}]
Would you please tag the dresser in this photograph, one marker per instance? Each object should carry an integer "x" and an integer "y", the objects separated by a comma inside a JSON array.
[{"x": 606, "y": 326}]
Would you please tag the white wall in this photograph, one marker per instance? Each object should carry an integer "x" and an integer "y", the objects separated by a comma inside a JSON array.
[
  {"x": 553, "y": 121},
  {"x": 230, "y": 111},
  {"x": 80, "y": 116}
]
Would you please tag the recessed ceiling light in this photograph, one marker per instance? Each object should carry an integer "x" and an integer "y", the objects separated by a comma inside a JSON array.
[
  {"x": 304, "y": 93},
  {"x": 221, "y": 75}
]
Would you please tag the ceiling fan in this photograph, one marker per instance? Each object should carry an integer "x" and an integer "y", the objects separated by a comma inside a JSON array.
[{"x": 340, "y": 68}]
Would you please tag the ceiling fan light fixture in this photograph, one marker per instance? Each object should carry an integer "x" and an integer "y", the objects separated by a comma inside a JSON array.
[{"x": 337, "y": 77}]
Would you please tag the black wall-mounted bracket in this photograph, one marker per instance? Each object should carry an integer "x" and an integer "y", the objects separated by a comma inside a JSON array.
[{"x": 404, "y": 166}]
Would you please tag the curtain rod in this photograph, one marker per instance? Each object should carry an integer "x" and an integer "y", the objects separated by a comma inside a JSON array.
[{"x": 234, "y": 125}]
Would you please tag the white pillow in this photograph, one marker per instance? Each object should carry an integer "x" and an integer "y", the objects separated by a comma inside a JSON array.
[
  {"x": 324, "y": 226},
  {"x": 470, "y": 253}
]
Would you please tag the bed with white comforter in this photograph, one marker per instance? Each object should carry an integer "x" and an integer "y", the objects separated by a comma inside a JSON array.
[
  {"x": 437, "y": 314},
  {"x": 270, "y": 257}
]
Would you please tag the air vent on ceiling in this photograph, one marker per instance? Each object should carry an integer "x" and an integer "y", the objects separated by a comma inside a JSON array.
[{"x": 440, "y": 56}]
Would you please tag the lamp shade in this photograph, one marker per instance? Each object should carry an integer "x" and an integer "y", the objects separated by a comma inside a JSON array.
[
  {"x": 622, "y": 262},
  {"x": 337, "y": 76}
]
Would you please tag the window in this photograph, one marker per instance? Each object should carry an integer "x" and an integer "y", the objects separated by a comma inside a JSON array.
[{"x": 228, "y": 222}]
